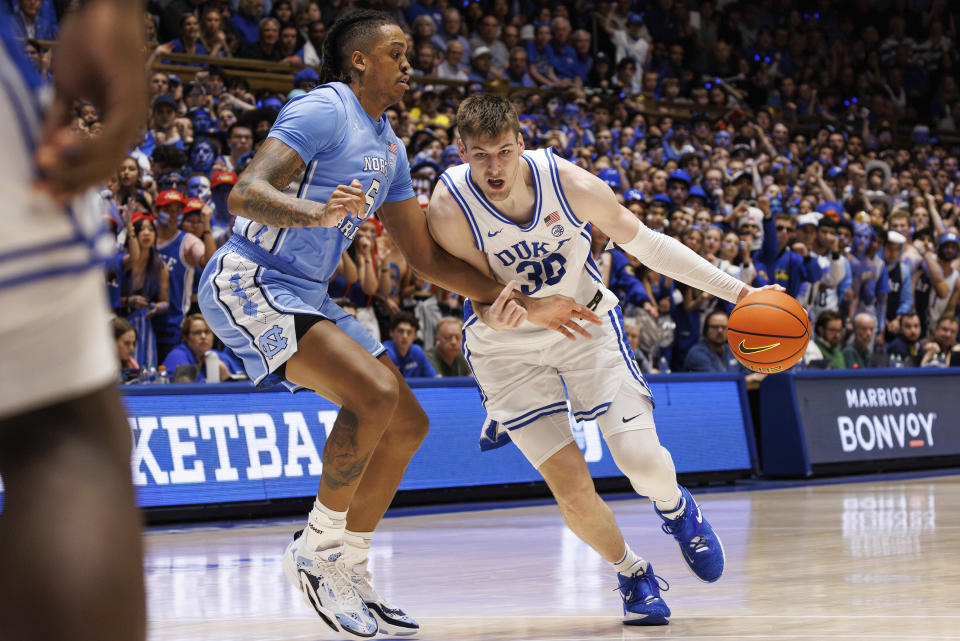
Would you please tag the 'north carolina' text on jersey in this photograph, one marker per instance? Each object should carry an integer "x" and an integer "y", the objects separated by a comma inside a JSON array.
[
  {"x": 549, "y": 255},
  {"x": 338, "y": 142}
]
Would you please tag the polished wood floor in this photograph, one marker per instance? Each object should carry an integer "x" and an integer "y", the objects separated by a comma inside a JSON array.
[{"x": 877, "y": 560}]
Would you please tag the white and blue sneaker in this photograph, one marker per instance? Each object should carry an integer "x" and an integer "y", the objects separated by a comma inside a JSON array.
[
  {"x": 390, "y": 619},
  {"x": 323, "y": 580},
  {"x": 642, "y": 604},
  {"x": 699, "y": 544}
]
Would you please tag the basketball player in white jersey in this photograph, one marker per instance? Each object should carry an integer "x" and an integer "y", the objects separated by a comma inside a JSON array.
[
  {"x": 70, "y": 547},
  {"x": 522, "y": 217}
]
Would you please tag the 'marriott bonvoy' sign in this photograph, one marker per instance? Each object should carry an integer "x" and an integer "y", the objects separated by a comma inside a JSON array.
[{"x": 879, "y": 417}]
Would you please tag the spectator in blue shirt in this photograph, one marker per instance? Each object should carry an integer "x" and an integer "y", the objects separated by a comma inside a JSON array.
[
  {"x": 29, "y": 22},
  {"x": 564, "y": 55},
  {"x": 582, "y": 62},
  {"x": 542, "y": 59},
  {"x": 246, "y": 21},
  {"x": 793, "y": 266},
  {"x": 516, "y": 71},
  {"x": 713, "y": 354},
  {"x": 409, "y": 358},
  {"x": 197, "y": 341},
  {"x": 189, "y": 40}
]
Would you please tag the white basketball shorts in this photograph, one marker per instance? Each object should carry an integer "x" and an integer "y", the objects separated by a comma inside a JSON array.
[{"x": 520, "y": 387}]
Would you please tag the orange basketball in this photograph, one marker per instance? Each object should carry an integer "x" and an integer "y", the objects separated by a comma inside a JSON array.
[{"x": 768, "y": 331}]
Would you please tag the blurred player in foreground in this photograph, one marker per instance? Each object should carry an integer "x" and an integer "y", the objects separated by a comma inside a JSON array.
[{"x": 70, "y": 547}]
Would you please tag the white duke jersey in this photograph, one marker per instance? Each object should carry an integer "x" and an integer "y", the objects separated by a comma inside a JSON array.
[
  {"x": 549, "y": 255},
  {"x": 41, "y": 239}
]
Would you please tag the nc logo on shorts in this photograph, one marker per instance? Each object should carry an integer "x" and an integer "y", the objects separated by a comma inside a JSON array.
[{"x": 272, "y": 341}]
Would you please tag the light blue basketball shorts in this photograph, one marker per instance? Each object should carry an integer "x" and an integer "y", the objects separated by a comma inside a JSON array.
[{"x": 253, "y": 309}]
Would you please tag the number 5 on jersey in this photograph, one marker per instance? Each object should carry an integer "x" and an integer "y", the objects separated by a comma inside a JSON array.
[{"x": 371, "y": 197}]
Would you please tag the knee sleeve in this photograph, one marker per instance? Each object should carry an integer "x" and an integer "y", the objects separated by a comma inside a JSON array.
[{"x": 645, "y": 462}]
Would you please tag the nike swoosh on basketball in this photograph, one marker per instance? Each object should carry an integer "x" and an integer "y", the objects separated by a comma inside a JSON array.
[
  {"x": 627, "y": 420},
  {"x": 491, "y": 234},
  {"x": 754, "y": 350}
]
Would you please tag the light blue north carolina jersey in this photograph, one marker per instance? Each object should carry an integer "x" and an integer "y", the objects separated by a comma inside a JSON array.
[{"x": 338, "y": 142}]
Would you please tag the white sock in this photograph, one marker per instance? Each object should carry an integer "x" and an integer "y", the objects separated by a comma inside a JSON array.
[
  {"x": 671, "y": 509},
  {"x": 356, "y": 547},
  {"x": 324, "y": 527},
  {"x": 625, "y": 565}
]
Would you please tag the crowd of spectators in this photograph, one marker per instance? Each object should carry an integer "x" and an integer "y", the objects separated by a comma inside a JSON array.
[{"x": 810, "y": 144}]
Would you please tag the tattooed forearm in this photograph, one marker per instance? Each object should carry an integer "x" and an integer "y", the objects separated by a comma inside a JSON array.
[
  {"x": 258, "y": 194},
  {"x": 342, "y": 464}
]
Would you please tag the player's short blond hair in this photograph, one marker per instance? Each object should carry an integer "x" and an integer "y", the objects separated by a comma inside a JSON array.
[{"x": 486, "y": 115}]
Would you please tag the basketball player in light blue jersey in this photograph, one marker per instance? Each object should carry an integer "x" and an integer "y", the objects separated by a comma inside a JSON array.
[
  {"x": 525, "y": 216},
  {"x": 70, "y": 542},
  {"x": 329, "y": 162}
]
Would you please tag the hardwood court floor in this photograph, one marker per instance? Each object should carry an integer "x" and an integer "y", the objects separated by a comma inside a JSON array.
[{"x": 872, "y": 560}]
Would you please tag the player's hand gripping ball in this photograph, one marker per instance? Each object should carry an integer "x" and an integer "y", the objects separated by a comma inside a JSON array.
[{"x": 768, "y": 331}]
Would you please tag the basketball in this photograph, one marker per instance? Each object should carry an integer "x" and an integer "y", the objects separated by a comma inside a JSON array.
[{"x": 768, "y": 331}]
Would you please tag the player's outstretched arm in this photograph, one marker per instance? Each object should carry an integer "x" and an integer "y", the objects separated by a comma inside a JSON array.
[
  {"x": 98, "y": 58},
  {"x": 594, "y": 201},
  {"x": 258, "y": 194},
  {"x": 448, "y": 236},
  {"x": 453, "y": 267}
]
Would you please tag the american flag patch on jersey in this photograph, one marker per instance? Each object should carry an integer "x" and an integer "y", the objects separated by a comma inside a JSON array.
[
  {"x": 552, "y": 218},
  {"x": 392, "y": 148}
]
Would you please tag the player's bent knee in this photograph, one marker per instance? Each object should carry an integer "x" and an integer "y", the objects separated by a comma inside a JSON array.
[
  {"x": 642, "y": 459},
  {"x": 408, "y": 430},
  {"x": 376, "y": 394}
]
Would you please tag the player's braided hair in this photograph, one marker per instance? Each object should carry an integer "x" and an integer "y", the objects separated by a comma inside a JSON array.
[{"x": 351, "y": 32}]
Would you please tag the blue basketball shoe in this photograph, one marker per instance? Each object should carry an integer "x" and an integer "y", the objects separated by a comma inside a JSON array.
[
  {"x": 642, "y": 604},
  {"x": 699, "y": 544}
]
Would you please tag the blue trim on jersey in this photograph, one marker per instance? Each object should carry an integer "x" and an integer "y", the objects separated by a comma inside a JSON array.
[
  {"x": 474, "y": 227},
  {"x": 27, "y": 74},
  {"x": 466, "y": 355},
  {"x": 228, "y": 314},
  {"x": 470, "y": 321},
  {"x": 26, "y": 252},
  {"x": 278, "y": 244},
  {"x": 595, "y": 274},
  {"x": 478, "y": 194},
  {"x": 625, "y": 350},
  {"x": 538, "y": 409},
  {"x": 53, "y": 272},
  {"x": 592, "y": 265},
  {"x": 17, "y": 54},
  {"x": 555, "y": 177},
  {"x": 307, "y": 175},
  {"x": 546, "y": 412},
  {"x": 589, "y": 415},
  {"x": 274, "y": 248},
  {"x": 23, "y": 121}
]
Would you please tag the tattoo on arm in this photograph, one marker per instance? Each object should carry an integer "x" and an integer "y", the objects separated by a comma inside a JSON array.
[
  {"x": 342, "y": 464},
  {"x": 259, "y": 195}
]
